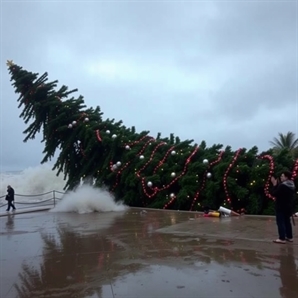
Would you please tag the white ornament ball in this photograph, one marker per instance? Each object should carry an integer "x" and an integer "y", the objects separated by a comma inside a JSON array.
[
  {"x": 114, "y": 136},
  {"x": 149, "y": 184},
  {"x": 108, "y": 132},
  {"x": 141, "y": 156},
  {"x": 127, "y": 147},
  {"x": 205, "y": 161},
  {"x": 209, "y": 175},
  {"x": 118, "y": 163},
  {"x": 69, "y": 125},
  {"x": 114, "y": 167},
  {"x": 173, "y": 152},
  {"x": 172, "y": 195},
  {"x": 74, "y": 122},
  {"x": 173, "y": 174},
  {"x": 86, "y": 119}
]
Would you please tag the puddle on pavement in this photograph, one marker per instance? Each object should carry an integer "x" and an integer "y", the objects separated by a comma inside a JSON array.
[{"x": 127, "y": 255}]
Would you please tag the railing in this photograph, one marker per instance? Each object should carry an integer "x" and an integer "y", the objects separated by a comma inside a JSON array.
[{"x": 52, "y": 201}]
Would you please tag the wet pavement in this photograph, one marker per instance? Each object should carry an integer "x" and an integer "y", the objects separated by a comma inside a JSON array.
[{"x": 160, "y": 254}]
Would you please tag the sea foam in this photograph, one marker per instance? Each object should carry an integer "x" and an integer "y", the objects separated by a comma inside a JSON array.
[
  {"x": 86, "y": 199},
  {"x": 36, "y": 184}
]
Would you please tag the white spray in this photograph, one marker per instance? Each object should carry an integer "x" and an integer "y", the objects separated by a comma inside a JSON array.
[
  {"x": 32, "y": 181},
  {"x": 41, "y": 179},
  {"x": 86, "y": 199}
]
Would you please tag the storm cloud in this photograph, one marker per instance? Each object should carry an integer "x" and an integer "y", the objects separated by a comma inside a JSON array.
[{"x": 223, "y": 72}]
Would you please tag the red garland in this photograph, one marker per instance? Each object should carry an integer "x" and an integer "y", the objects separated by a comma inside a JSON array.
[
  {"x": 163, "y": 160},
  {"x": 137, "y": 141},
  {"x": 170, "y": 202},
  {"x": 204, "y": 179},
  {"x": 150, "y": 159},
  {"x": 271, "y": 171},
  {"x": 156, "y": 189},
  {"x": 129, "y": 162},
  {"x": 159, "y": 164},
  {"x": 82, "y": 115},
  {"x": 98, "y": 135},
  {"x": 227, "y": 172},
  {"x": 295, "y": 170}
]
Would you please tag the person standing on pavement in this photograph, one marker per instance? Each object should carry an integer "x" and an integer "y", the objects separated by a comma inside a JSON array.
[
  {"x": 284, "y": 198},
  {"x": 10, "y": 198}
]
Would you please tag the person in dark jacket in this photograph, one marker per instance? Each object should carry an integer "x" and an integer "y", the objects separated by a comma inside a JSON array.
[
  {"x": 283, "y": 193},
  {"x": 10, "y": 198}
]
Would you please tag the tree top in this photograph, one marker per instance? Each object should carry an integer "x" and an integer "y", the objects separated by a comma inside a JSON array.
[{"x": 9, "y": 63}]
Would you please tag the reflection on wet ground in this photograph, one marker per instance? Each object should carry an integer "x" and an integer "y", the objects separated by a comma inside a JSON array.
[{"x": 134, "y": 254}]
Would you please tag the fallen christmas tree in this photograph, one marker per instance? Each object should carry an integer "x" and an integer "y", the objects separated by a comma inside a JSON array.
[{"x": 139, "y": 169}]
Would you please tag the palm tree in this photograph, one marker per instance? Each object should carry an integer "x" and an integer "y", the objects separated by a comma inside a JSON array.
[{"x": 286, "y": 141}]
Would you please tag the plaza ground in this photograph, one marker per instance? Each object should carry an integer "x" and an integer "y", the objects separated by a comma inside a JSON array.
[{"x": 135, "y": 254}]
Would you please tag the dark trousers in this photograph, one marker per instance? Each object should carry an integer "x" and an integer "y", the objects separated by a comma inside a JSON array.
[
  {"x": 10, "y": 204},
  {"x": 284, "y": 226}
]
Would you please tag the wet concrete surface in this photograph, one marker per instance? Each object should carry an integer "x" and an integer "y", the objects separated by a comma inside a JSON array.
[
  {"x": 25, "y": 210},
  {"x": 160, "y": 254}
]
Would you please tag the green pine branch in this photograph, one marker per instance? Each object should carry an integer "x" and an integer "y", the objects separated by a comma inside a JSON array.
[{"x": 87, "y": 149}]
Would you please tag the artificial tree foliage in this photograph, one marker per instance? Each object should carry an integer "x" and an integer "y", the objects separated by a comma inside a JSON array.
[{"x": 161, "y": 172}]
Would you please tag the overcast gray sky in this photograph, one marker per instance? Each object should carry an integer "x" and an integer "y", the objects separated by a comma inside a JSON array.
[{"x": 223, "y": 72}]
